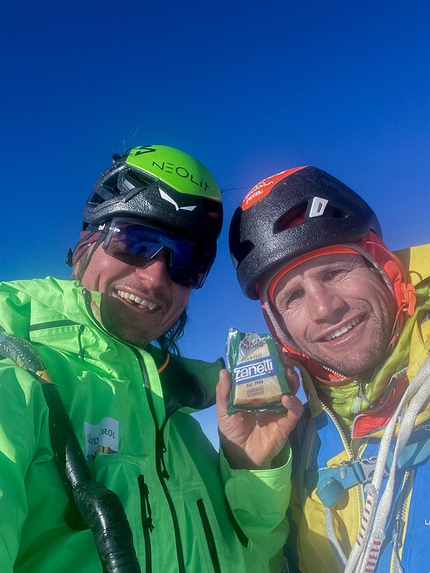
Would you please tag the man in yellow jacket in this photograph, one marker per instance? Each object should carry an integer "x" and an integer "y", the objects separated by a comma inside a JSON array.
[{"x": 356, "y": 323}]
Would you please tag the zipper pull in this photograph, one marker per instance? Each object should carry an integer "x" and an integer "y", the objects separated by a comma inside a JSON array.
[
  {"x": 81, "y": 350},
  {"x": 144, "y": 504},
  {"x": 396, "y": 542},
  {"x": 162, "y": 450},
  {"x": 361, "y": 394}
]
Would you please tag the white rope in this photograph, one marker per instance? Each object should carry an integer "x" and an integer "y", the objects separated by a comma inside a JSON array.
[
  {"x": 405, "y": 430},
  {"x": 332, "y": 536},
  {"x": 365, "y": 553}
]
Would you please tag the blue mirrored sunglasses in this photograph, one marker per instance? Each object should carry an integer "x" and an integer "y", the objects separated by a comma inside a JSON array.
[{"x": 138, "y": 244}]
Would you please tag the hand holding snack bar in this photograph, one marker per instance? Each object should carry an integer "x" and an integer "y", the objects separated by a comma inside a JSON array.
[
  {"x": 255, "y": 435},
  {"x": 252, "y": 440}
]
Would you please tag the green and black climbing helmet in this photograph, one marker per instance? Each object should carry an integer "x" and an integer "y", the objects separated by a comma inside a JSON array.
[{"x": 165, "y": 188}]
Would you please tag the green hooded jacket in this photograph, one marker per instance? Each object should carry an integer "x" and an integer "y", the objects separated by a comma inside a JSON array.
[{"x": 188, "y": 511}]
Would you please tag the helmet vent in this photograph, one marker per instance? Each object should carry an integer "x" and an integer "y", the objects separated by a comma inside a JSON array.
[
  {"x": 291, "y": 218},
  {"x": 241, "y": 251},
  {"x": 96, "y": 199},
  {"x": 213, "y": 208},
  {"x": 110, "y": 184},
  {"x": 339, "y": 214}
]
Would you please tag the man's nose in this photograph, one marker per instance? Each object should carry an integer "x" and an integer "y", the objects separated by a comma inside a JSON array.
[
  {"x": 324, "y": 304},
  {"x": 156, "y": 272}
]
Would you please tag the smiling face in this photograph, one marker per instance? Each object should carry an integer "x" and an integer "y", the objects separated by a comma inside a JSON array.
[
  {"x": 138, "y": 304},
  {"x": 338, "y": 311}
]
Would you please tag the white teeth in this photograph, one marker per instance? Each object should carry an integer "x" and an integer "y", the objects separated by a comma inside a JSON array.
[
  {"x": 343, "y": 329},
  {"x": 137, "y": 299}
]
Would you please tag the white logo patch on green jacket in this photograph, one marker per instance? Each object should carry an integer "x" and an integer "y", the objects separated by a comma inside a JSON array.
[{"x": 102, "y": 438}]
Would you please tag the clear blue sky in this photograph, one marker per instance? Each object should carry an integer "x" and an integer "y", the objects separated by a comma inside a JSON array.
[{"x": 250, "y": 88}]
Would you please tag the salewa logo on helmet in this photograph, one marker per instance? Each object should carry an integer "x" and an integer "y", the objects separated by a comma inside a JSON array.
[
  {"x": 318, "y": 207},
  {"x": 255, "y": 370},
  {"x": 167, "y": 198},
  {"x": 143, "y": 149}
]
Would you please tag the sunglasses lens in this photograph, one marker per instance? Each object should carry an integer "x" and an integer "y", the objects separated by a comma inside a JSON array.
[{"x": 137, "y": 244}]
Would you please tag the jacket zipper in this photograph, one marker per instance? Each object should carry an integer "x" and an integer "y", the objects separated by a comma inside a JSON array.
[
  {"x": 360, "y": 396},
  {"x": 400, "y": 522},
  {"x": 348, "y": 449},
  {"x": 51, "y": 324},
  {"x": 159, "y": 440},
  {"x": 160, "y": 449},
  {"x": 159, "y": 463},
  {"x": 209, "y": 536},
  {"x": 147, "y": 525}
]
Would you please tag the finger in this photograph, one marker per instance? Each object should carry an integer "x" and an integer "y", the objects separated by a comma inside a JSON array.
[
  {"x": 291, "y": 375},
  {"x": 285, "y": 356},
  {"x": 293, "y": 381},
  {"x": 223, "y": 392},
  {"x": 294, "y": 407},
  {"x": 224, "y": 385}
]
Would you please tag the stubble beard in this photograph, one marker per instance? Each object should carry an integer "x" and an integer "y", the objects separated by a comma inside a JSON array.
[{"x": 367, "y": 356}]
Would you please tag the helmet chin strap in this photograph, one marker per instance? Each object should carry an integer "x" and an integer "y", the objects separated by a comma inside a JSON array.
[
  {"x": 407, "y": 308},
  {"x": 86, "y": 261}
]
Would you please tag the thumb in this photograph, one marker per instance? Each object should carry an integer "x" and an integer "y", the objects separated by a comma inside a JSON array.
[{"x": 223, "y": 386}]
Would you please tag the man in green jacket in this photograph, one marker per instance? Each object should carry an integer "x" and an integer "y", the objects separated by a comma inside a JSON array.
[
  {"x": 354, "y": 318},
  {"x": 116, "y": 475}
]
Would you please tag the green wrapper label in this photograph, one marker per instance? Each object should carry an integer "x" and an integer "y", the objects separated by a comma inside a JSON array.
[{"x": 258, "y": 380}]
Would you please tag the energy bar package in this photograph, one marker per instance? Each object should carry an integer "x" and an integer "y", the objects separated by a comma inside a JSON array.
[{"x": 258, "y": 376}]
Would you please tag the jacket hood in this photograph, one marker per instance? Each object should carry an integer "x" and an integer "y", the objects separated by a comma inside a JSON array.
[{"x": 70, "y": 314}]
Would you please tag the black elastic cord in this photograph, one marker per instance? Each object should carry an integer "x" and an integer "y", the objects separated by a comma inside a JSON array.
[{"x": 92, "y": 505}]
